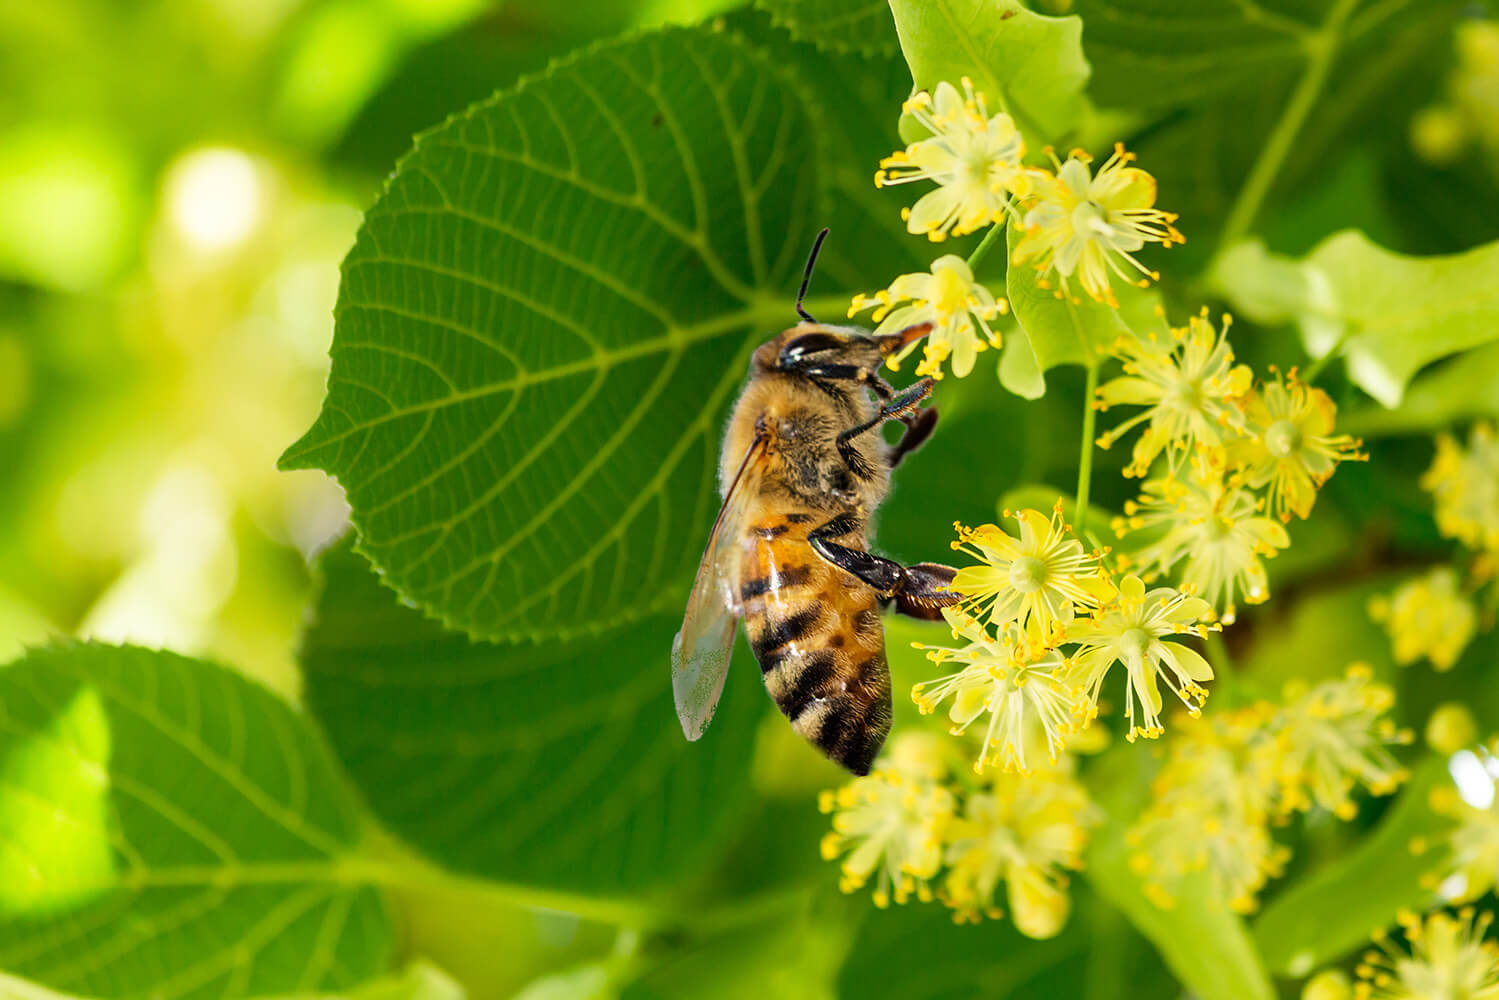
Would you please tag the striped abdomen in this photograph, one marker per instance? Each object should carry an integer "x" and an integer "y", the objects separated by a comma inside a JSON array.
[{"x": 816, "y": 631}]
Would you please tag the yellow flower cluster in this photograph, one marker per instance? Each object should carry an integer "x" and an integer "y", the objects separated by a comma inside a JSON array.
[
  {"x": 1447, "y": 957},
  {"x": 1228, "y": 779},
  {"x": 1428, "y": 617},
  {"x": 1472, "y": 865},
  {"x": 921, "y": 828},
  {"x": 1464, "y": 482},
  {"x": 1435, "y": 615},
  {"x": 1469, "y": 116},
  {"x": 1077, "y": 224},
  {"x": 1238, "y": 458},
  {"x": 1043, "y": 624}
]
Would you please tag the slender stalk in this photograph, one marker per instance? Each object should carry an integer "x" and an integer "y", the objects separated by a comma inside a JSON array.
[
  {"x": 1315, "y": 368},
  {"x": 1085, "y": 459},
  {"x": 982, "y": 250},
  {"x": 1321, "y": 47}
]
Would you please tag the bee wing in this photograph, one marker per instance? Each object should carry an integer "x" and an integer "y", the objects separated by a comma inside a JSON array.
[{"x": 701, "y": 651}]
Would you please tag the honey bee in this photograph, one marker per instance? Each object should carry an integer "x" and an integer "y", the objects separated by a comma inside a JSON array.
[{"x": 802, "y": 470}]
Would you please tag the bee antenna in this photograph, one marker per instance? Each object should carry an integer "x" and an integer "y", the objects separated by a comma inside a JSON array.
[{"x": 807, "y": 275}]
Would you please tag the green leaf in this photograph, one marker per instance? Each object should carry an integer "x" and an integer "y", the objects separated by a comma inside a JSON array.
[
  {"x": 174, "y": 830},
  {"x": 1272, "y": 88},
  {"x": 1323, "y": 916},
  {"x": 558, "y": 766},
  {"x": 1149, "y": 54},
  {"x": 862, "y": 26},
  {"x": 542, "y": 321},
  {"x": 1062, "y": 329},
  {"x": 1397, "y": 313},
  {"x": 1463, "y": 388},
  {"x": 1024, "y": 63},
  {"x": 1201, "y": 939},
  {"x": 852, "y": 98}
]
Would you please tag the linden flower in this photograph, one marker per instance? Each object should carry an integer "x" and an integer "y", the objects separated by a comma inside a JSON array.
[
  {"x": 1209, "y": 815},
  {"x": 1130, "y": 631},
  {"x": 974, "y": 159},
  {"x": 1218, "y": 529},
  {"x": 1025, "y": 832},
  {"x": 1427, "y": 617},
  {"x": 890, "y": 826},
  {"x": 1465, "y": 485},
  {"x": 1449, "y": 959},
  {"x": 1033, "y": 583},
  {"x": 995, "y": 680},
  {"x": 1474, "y": 840},
  {"x": 1332, "y": 738},
  {"x": 947, "y": 297},
  {"x": 1189, "y": 384},
  {"x": 1082, "y": 224},
  {"x": 1289, "y": 446}
]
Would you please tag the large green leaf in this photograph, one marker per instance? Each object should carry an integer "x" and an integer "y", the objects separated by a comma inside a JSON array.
[
  {"x": 854, "y": 99},
  {"x": 542, "y": 321},
  {"x": 170, "y": 829},
  {"x": 558, "y": 766},
  {"x": 1393, "y": 314},
  {"x": 1201, "y": 938},
  {"x": 840, "y": 25},
  {"x": 1024, "y": 63},
  {"x": 1322, "y": 917}
]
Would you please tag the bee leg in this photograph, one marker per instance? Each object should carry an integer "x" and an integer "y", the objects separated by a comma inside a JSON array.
[
  {"x": 899, "y": 407},
  {"x": 925, "y": 592},
  {"x": 884, "y": 575},
  {"x": 918, "y": 591},
  {"x": 919, "y": 427}
]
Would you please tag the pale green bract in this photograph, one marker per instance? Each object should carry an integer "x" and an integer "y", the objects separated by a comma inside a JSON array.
[
  {"x": 1391, "y": 314},
  {"x": 1025, "y": 64}
]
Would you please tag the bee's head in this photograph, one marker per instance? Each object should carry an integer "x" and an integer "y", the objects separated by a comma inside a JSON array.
[
  {"x": 831, "y": 351},
  {"x": 835, "y": 352}
]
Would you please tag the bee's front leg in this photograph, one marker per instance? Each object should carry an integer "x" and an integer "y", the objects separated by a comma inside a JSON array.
[{"x": 901, "y": 406}]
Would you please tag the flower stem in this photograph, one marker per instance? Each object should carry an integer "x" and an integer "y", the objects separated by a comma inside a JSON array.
[
  {"x": 1085, "y": 460},
  {"x": 1321, "y": 47},
  {"x": 982, "y": 250},
  {"x": 1315, "y": 368}
]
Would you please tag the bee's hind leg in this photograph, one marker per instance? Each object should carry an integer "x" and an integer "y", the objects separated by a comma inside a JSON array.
[
  {"x": 917, "y": 591},
  {"x": 925, "y": 593}
]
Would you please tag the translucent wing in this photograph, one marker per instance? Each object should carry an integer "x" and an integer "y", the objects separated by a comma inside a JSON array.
[{"x": 701, "y": 651}]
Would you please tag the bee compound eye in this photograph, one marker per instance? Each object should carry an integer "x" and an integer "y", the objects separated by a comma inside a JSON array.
[{"x": 808, "y": 345}]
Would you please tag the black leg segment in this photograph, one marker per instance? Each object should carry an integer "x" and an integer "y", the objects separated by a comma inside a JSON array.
[
  {"x": 899, "y": 407},
  {"x": 917, "y": 592},
  {"x": 919, "y": 427}
]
